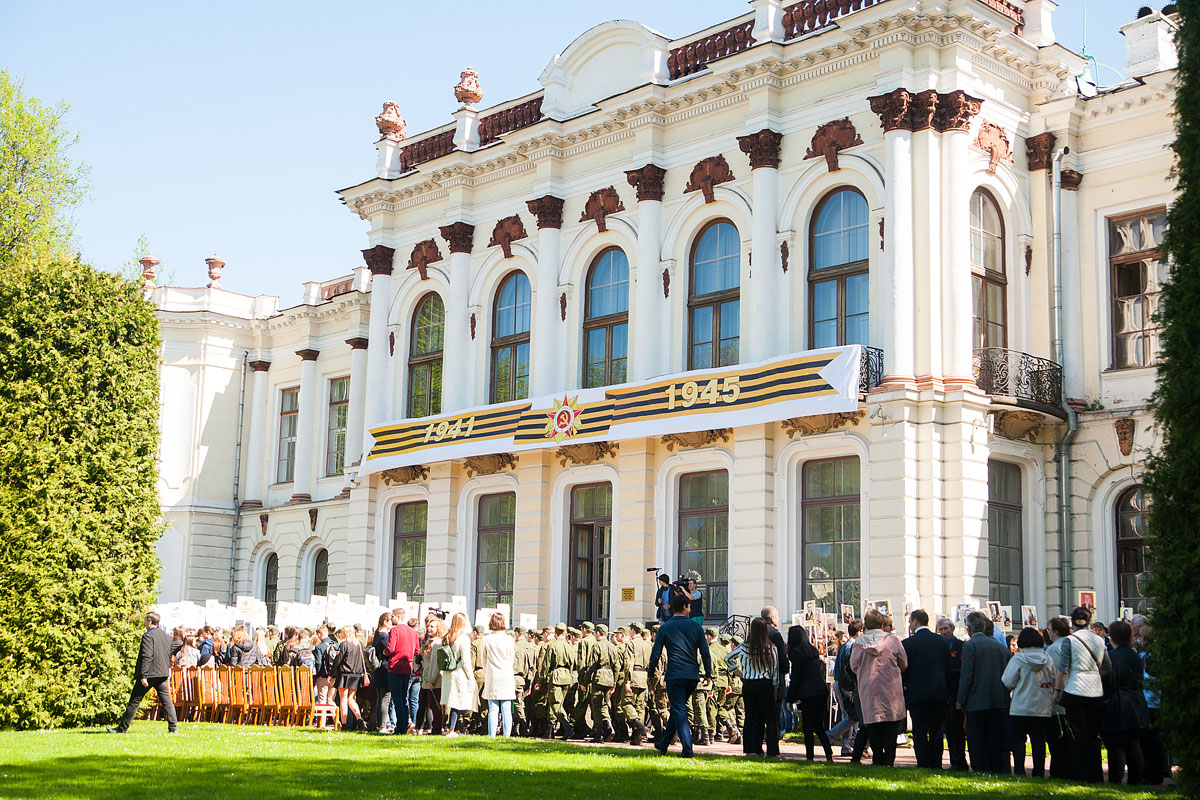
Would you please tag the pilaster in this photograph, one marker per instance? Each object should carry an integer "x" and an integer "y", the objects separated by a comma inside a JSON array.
[
  {"x": 305, "y": 479},
  {"x": 531, "y": 551},
  {"x": 633, "y": 510},
  {"x": 752, "y": 520},
  {"x": 441, "y": 540}
]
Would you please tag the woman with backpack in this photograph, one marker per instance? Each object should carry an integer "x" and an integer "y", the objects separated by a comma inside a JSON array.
[
  {"x": 431, "y": 676},
  {"x": 458, "y": 677},
  {"x": 350, "y": 672}
]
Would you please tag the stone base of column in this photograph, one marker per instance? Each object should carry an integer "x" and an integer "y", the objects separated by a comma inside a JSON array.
[
  {"x": 958, "y": 383},
  {"x": 892, "y": 381},
  {"x": 301, "y": 497},
  {"x": 246, "y": 504},
  {"x": 927, "y": 383}
]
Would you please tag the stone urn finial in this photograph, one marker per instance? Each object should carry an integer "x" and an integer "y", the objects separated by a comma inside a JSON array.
[
  {"x": 391, "y": 125},
  {"x": 215, "y": 265},
  {"x": 467, "y": 91},
  {"x": 149, "y": 270}
]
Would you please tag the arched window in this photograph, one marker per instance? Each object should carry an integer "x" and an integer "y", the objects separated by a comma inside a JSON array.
[
  {"x": 271, "y": 586},
  {"x": 320, "y": 585},
  {"x": 425, "y": 358},
  {"x": 713, "y": 313},
  {"x": 1133, "y": 556},
  {"x": 510, "y": 339},
  {"x": 606, "y": 320},
  {"x": 831, "y": 532},
  {"x": 988, "y": 281},
  {"x": 408, "y": 550},
  {"x": 838, "y": 282}
]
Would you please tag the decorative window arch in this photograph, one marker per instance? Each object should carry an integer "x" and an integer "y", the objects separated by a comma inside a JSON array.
[
  {"x": 838, "y": 277},
  {"x": 606, "y": 320},
  {"x": 320, "y": 584},
  {"x": 408, "y": 549},
  {"x": 425, "y": 357},
  {"x": 989, "y": 281},
  {"x": 271, "y": 585},
  {"x": 714, "y": 291},
  {"x": 1133, "y": 554},
  {"x": 511, "y": 314}
]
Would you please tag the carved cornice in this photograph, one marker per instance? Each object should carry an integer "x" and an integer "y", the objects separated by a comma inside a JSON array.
[
  {"x": 830, "y": 139},
  {"x": 648, "y": 181},
  {"x": 587, "y": 453},
  {"x": 507, "y": 231},
  {"x": 1071, "y": 179},
  {"x": 690, "y": 441},
  {"x": 707, "y": 174},
  {"x": 762, "y": 148},
  {"x": 548, "y": 209},
  {"x": 1038, "y": 151},
  {"x": 820, "y": 423},
  {"x": 308, "y": 354},
  {"x": 400, "y": 475},
  {"x": 424, "y": 254},
  {"x": 902, "y": 110},
  {"x": 459, "y": 235},
  {"x": 379, "y": 259},
  {"x": 489, "y": 464},
  {"x": 600, "y": 204},
  {"x": 260, "y": 366},
  {"x": 358, "y": 343},
  {"x": 992, "y": 138}
]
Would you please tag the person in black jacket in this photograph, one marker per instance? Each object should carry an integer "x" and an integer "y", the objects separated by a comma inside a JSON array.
[
  {"x": 808, "y": 688},
  {"x": 1126, "y": 715},
  {"x": 153, "y": 669},
  {"x": 925, "y": 688},
  {"x": 956, "y": 734}
]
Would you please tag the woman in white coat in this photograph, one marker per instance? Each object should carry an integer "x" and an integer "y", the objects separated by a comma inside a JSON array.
[
  {"x": 458, "y": 685},
  {"x": 499, "y": 684}
]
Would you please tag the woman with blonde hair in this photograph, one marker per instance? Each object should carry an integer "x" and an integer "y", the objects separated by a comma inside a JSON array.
[
  {"x": 499, "y": 682},
  {"x": 458, "y": 684},
  {"x": 349, "y": 673},
  {"x": 431, "y": 676},
  {"x": 243, "y": 652}
]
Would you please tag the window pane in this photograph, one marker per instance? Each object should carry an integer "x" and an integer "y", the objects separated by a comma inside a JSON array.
[
  {"x": 840, "y": 234},
  {"x": 729, "y": 330},
  {"x": 620, "y": 348},
  {"x": 521, "y": 368}
]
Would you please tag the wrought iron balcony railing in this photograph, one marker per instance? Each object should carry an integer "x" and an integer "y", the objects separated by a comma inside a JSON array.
[
  {"x": 1034, "y": 382},
  {"x": 870, "y": 374}
]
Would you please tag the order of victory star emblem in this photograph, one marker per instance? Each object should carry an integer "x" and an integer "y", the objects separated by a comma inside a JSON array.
[{"x": 564, "y": 419}]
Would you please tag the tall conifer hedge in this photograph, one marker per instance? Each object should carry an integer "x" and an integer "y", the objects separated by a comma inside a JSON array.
[
  {"x": 1174, "y": 474},
  {"x": 79, "y": 513}
]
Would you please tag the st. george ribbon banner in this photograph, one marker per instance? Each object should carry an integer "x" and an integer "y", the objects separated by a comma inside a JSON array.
[{"x": 798, "y": 385}]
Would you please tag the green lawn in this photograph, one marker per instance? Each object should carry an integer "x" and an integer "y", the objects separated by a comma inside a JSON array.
[{"x": 225, "y": 762}]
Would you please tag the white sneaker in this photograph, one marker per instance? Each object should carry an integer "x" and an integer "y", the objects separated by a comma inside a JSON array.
[{"x": 451, "y": 734}]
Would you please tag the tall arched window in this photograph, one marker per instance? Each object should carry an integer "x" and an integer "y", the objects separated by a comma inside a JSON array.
[
  {"x": 425, "y": 358},
  {"x": 1133, "y": 556},
  {"x": 606, "y": 320},
  {"x": 838, "y": 282},
  {"x": 271, "y": 586},
  {"x": 510, "y": 339},
  {"x": 713, "y": 314},
  {"x": 320, "y": 585},
  {"x": 988, "y": 282}
]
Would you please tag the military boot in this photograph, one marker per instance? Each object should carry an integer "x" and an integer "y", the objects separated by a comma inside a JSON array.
[
  {"x": 638, "y": 734},
  {"x": 735, "y": 736}
]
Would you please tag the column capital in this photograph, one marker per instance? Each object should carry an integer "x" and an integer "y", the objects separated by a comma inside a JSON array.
[
  {"x": 379, "y": 259},
  {"x": 902, "y": 110},
  {"x": 762, "y": 148},
  {"x": 459, "y": 235},
  {"x": 308, "y": 354},
  {"x": 260, "y": 366},
  {"x": 1071, "y": 179},
  {"x": 358, "y": 343},
  {"x": 955, "y": 111},
  {"x": 892, "y": 109},
  {"x": 648, "y": 181},
  {"x": 548, "y": 209},
  {"x": 1038, "y": 150}
]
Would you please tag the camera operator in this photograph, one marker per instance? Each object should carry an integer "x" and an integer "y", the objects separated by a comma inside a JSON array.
[{"x": 686, "y": 586}]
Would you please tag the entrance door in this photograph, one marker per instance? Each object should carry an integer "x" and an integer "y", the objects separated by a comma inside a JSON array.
[{"x": 591, "y": 551}]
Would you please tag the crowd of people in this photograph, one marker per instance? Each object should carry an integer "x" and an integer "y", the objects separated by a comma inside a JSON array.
[{"x": 1064, "y": 690}]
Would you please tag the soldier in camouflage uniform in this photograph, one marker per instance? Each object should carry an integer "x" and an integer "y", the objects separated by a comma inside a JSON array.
[
  {"x": 539, "y": 695},
  {"x": 478, "y": 720},
  {"x": 717, "y": 717},
  {"x": 601, "y": 679},
  {"x": 582, "y": 691},
  {"x": 524, "y": 658},
  {"x": 633, "y": 701},
  {"x": 698, "y": 709},
  {"x": 558, "y": 663},
  {"x": 620, "y": 642},
  {"x": 733, "y": 705},
  {"x": 661, "y": 705}
]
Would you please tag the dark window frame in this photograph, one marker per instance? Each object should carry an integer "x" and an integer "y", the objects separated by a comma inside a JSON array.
[
  {"x": 607, "y": 322},
  {"x": 399, "y": 539},
  {"x": 713, "y": 299},
  {"x": 595, "y": 559},
  {"x": 841, "y": 500},
  {"x": 982, "y": 276},
  {"x": 287, "y": 474},
  {"x": 682, "y": 514},
  {"x": 431, "y": 359},
  {"x": 271, "y": 586},
  {"x": 840, "y": 272},
  {"x": 1123, "y": 545},
  {"x": 511, "y": 343},
  {"x": 1019, "y": 509},
  {"x": 320, "y": 582},
  {"x": 480, "y": 529},
  {"x": 335, "y": 452},
  {"x": 1117, "y": 262}
]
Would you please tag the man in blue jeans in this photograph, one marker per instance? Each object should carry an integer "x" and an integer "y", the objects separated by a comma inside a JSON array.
[{"x": 684, "y": 640}]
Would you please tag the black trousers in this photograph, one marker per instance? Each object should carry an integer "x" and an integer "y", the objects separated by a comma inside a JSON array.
[
  {"x": 1059, "y": 742},
  {"x": 1084, "y": 715},
  {"x": 814, "y": 713},
  {"x": 985, "y": 740},
  {"x": 1125, "y": 748},
  {"x": 956, "y": 736},
  {"x": 1035, "y": 729},
  {"x": 882, "y": 736},
  {"x": 928, "y": 722},
  {"x": 160, "y": 685},
  {"x": 1155, "y": 757},
  {"x": 761, "y": 712}
]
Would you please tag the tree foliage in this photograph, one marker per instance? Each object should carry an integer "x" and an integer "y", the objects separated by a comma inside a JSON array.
[
  {"x": 79, "y": 512},
  {"x": 1171, "y": 478},
  {"x": 38, "y": 182}
]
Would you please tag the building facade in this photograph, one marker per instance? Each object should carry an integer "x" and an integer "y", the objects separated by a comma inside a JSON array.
[{"x": 931, "y": 181}]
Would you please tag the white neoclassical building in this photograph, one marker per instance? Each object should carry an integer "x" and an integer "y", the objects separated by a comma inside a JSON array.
[{"x": 847, "y": 301}]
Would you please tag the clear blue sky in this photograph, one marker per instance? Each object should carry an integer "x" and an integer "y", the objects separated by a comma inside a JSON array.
[{"x": 227, "y": 126}]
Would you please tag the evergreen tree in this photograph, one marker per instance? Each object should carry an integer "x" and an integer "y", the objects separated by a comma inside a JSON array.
[
  {"x": 1172, "y": 473},
  {"x": 79, "y": 512}
]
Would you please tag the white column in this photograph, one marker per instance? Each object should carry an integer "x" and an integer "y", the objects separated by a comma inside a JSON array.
[
  {"x": 762, "y": 285},
  {"x": 956, "y": 275},
  {"x": 896, "y": 283},
  {"x": 256, "y": 436},
  {"x": 458, "y": 383},
  {"x": 356, "y": 410},
  {"x": 1072, "y": 278},
  {"x": 305, "y": 480},
  {"x": 650, "y": 314},
  {"x": 379, "y": 259},
  {"x": 547, "y": 365}
]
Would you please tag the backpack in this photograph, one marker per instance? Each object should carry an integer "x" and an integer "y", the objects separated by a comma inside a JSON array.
[
  {"x": 374, "y": 663},
  {"x": 326, "y": 670},
  {"x": 447, "y": 659},
  {"x": 280, "y": 655}
]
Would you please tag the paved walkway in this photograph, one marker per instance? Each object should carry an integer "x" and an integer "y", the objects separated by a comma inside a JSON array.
[{"x": 792, "y": 751}]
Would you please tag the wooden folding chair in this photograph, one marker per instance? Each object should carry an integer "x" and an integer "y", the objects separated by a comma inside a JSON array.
[
  {"x": 304, "y": 697},
  {"x": 285, "y": 692},
  {"x": 224, "y": 694},
  {"x": 270, "y": 706},
  {"x": 258, "y": 705},
  {"x": 206, "y": 694},
  {"x": 185, "y": 702},
  {"x": 237, "y": 699}
]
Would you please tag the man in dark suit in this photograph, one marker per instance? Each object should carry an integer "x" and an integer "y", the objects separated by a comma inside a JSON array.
[
  {"x": 983, "y": 696},
  {"x": 686, "y": 647},
  {"x": 956, "y": 736},
  {"x": 153, "y": 670},
  {"x": 925, "y": 688}
]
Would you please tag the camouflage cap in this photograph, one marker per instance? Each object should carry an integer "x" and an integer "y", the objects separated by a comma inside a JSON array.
[
  {"x": 710, "y": 631},
  {"x": 622, "y": 630},
  {"x": 520, "y": 629},
  {"x": 587, "y": 626},
  {"x": 560, "y": 627},
  {"x": 725, "y": 637},
  {"x": 637, "y": 627},
  {"x": 737, "y": 639},
  {"x": 573, "y": 631},
  {"x": 602, "y": 629},
  {"x": 479, "y": 629}
]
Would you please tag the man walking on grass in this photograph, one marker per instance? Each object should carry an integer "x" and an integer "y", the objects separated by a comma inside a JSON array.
[
  {"x": 153, "y": 670},
  {"x": 686, "y": 646}
]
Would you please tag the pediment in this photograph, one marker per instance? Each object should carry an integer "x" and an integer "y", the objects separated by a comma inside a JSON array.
[{"x": 606, "y": 60}]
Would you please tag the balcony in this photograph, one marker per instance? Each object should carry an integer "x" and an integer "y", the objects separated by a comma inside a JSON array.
[
  {"x": 1027, "y": 381},
  {"x": 870, "y": 374}
]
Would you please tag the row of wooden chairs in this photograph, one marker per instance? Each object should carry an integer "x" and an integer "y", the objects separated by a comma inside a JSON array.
[{"x": 253, "y": 696}]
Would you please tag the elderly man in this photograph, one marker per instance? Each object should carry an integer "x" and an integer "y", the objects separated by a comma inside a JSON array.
[
  {"x": 153, "y": 670},
  {"x": 983, "y": 696}
]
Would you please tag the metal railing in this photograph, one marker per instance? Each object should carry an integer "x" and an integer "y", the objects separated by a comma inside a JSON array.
[
  {"x": 870, "y": 373},
  {"x": 1010, "y": 373}
]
